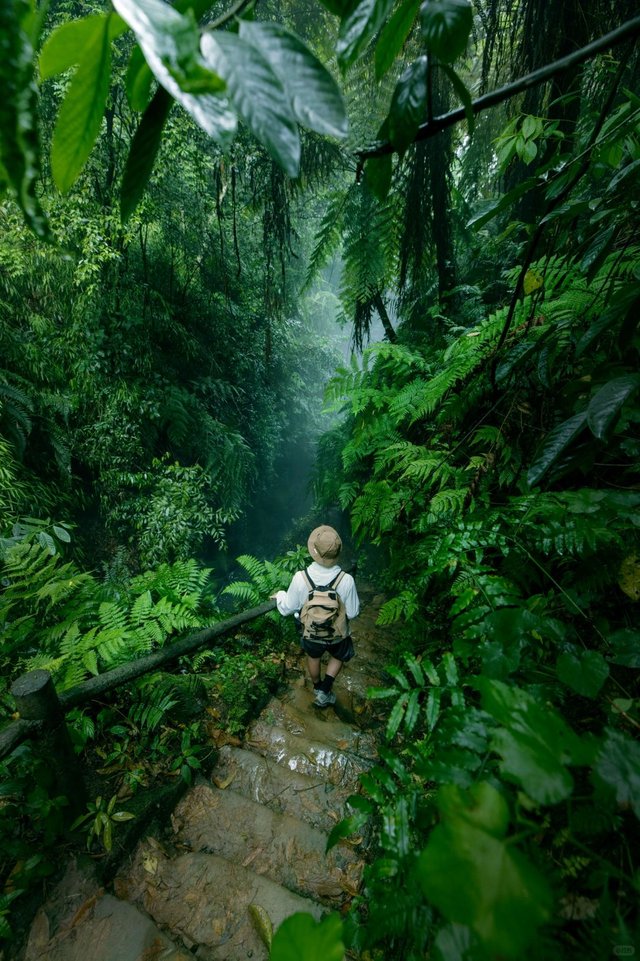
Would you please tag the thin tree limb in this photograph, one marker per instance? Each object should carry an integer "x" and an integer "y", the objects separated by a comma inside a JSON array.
[
  {"x": 437, "y": 124},
  {"x": 384, "y": 317}
]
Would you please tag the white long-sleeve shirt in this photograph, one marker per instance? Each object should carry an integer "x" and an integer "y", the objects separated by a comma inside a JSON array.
[{"x": 292, "y": 599}]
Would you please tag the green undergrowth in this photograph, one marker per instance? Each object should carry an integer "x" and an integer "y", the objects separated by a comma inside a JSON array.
[
  {"x": 161, "y": 729},
  {"x": 496, "y": 465}
]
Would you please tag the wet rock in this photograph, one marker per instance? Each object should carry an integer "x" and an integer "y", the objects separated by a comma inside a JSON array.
[
  {"x": 276, "y": 845},
  {"x": 205, "y": 900},
  {"x": 103, "y": 929},
  {"x": 262, "y": 779}
]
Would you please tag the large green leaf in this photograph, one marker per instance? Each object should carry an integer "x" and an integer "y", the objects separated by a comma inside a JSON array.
[
  {"x": 535, "y": 744},
  {"x": 618, "y": 766},
  {"x": 583, "y": 671},
  {"x": 358, "y": 27},
  {"x": 139, "y": 80},
  {"x": 555, "y": 443},
  {"x": 19, "y": 141},
  {"x": 606, "y": 403},
  {"x": 170, "y": 42},
  {"x": 480, "y": 805},
  {"x": 143, "y": 150},
  {"x": 82, "y": 109},
  {"x": 65, "y": 47},
  {"x": 408, "y": 104},
  {"x": 394, "y": 34},
  {"x": 479, "y": 879},
  {"x": 301, "y": 937},
  {"x": 626, "y": 647},
  {"x": 378, "y": 172},
  {"x": 446, "y": 25},
  {"x": 139, "y": 75},
  {"x": 315, "y": 97},
  {"x": 257, "y": 95}
]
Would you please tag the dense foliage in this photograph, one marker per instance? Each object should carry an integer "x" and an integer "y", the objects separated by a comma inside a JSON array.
[{"x": 158, "y": 353}]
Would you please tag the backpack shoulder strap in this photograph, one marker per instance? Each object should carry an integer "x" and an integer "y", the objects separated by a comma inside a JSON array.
[
  {"x": 334, "y": 583},
  {"x": 307, "y": 577}
]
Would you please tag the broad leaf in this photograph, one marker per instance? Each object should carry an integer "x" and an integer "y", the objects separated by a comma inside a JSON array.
[
  {"x": 378, "y": 172},
  {"x": 315, "y": 97},
  {"x": 256, "y": 94},
  {"x": 408, "y": 104},
  {"x": 618, "y": 767},
  {"x": 555, "y": 443},
  {"x": 584, "y": 672},
  {"x": 455, "y": 942},
  {"x": 19, "y": 141},
  {"x": 139, "y": 76},
  {"x": 66, "y": 46},
  {"x": 82, "y": 109},
  {"x": 142, "y": 152},
  {"x": 138, "y": 81},
  {"x": 480, "y": 805},
  {"x": 446, "y": 25},
  {"x": 626, "y": 647},
  {"x": 394, "y": 34},
  {"x": 170, "y": 42},
  {"x": 210, "y": 111},
  {"x": 606, "y": 403},
  {"x": 358, "y": 27},
  {"x": 535, "y": 743},
  {"x": 482, "y": 881},
  {"x": 300, "y": 936}
]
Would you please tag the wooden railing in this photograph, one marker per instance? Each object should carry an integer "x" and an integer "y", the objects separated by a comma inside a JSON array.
[{"x": 42, "y": 711}]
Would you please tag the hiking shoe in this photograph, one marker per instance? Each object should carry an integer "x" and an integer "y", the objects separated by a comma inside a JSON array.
[{"x": 324, "y": 700}]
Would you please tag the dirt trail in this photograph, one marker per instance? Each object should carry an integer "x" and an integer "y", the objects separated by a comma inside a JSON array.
[{"x": 246, "y": 845}]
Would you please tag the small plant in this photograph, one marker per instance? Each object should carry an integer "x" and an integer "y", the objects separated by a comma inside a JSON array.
[
  {"x": 101, "y": 817},
  {"x": 189, "y": 757}
]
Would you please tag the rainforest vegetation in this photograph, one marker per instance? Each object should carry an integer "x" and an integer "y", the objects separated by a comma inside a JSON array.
[{"x": 268, "y": 260}]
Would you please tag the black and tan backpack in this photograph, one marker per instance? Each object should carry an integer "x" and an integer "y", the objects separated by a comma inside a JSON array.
[{"x": 323, "y": 616}]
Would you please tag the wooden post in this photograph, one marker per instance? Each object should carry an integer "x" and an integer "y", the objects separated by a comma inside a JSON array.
[{"x": 36, "y": 700}]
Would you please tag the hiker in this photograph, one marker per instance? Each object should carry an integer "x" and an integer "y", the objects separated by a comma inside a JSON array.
[{"x": 334, "y": 638}]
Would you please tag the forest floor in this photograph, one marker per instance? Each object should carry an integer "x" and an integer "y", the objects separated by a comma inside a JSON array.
[{"x": 243, "y": 848}]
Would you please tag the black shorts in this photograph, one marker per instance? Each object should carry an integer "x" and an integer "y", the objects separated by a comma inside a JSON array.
[{"x": 342, "y": 650}]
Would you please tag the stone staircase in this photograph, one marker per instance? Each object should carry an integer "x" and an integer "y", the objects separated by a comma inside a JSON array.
[{"x": 244, "y": 849}]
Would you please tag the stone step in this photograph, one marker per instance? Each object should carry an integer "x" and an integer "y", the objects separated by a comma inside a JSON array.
[
  {"x": 312, "y": 799},
  {"x": 299, "y": 753},
  {"x": 275, "y": 845},
  {"x": 102, "y": 929},
  {"x": 294, "y": 711},
  {"x": 205, "y": 900}
]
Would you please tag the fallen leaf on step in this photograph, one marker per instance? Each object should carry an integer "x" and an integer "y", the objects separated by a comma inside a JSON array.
[
  {"x": 262, "y": 923},
  {"x": 223, "y": 783},
  {"x": 251, "y": 857}
]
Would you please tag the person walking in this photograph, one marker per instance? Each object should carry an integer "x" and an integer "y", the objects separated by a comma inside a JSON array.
[{"x": 323, "y": 574}]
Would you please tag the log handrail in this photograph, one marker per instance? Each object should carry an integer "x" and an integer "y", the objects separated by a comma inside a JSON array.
[{"x": 18, "y": 731}]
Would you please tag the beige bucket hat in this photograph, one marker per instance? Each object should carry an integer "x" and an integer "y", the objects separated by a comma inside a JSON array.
[{"x": 324, "y": 545}]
